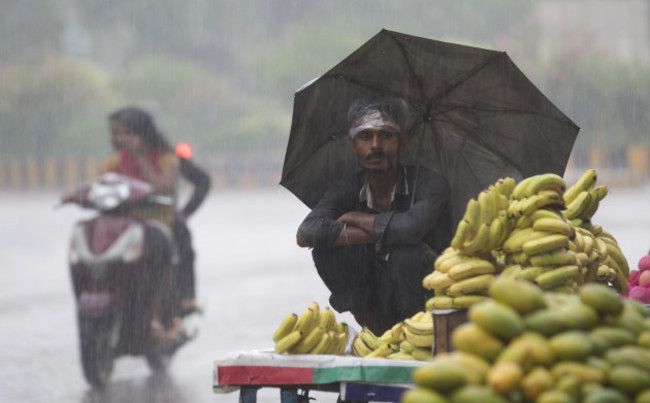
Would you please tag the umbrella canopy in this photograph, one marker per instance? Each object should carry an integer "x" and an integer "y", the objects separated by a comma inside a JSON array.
[{"x": 473, "y": 117}]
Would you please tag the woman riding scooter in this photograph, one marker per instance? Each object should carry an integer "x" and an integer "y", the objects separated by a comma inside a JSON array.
[{"x": 142, "y": 152}]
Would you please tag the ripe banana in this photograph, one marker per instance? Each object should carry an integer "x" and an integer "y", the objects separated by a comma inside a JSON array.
[
  {"x": 615, "y": 253},
  {"x": 306, "y": 321},
  {"x": 531, "y": 272},
  {"x": 370, "y": 339},
  {"x": 488, "y": 206},
  {"x": 464, "y": 230},
  {"x": 327, "y": 319},
  {"x": 498, "y": 231},
  {"x": 288, "y": 341},
  {"x": 591, "y": 208},
  {"x": 418, "y": 327},
  {"x": 465, "y": 301},
  {"x": 477, "y": 285},
  {"x": 323, "y": 344},
  {"x": 505, "y": 186},
  {"x": 479, "y": 241},
  {"x": 528, "y": 220},
  {"x": 380, "y": 352},
  {"x": 585, "y": 183},
  {"x": 308, "y": 342},
  {"x": 545, "y": 244},
  {"x": 437, "y": 280},
  {"x": 447, "y": 264},
  {"x": 554, "y": 225},
  {"x": 471, "y": 267},
  {"x": 473, "y": 214},
  {"x": 418, "y": 339},
  {"x": 518, "y": 237},
  {"x": 549, "y": 181},
  {"x": 449, "y": 253},
  {"x": 439, "y": 302},
  {"x": 519, "y": 192},
  {"x": 359, "y": 347},
  {"x": 578, "y": 205},
  {"x": 539, "y": 200},
  {"x": 285, "y": 327}
]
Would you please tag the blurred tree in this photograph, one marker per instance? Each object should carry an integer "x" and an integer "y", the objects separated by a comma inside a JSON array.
[{"x": 53, "y": 106}]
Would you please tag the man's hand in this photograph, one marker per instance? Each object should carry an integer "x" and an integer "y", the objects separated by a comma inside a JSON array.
[{"x": 363, "y": 221}]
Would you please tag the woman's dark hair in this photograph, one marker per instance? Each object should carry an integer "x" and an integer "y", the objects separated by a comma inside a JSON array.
[
  {"x": 392, "y": 108},
  {"x": 141, "y": 124}
]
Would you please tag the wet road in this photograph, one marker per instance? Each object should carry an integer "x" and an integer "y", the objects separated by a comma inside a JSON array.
[{"x": 250, "y": 275}]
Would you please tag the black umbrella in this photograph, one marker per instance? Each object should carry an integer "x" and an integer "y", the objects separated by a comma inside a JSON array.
[{"x": 474, "y": 117}]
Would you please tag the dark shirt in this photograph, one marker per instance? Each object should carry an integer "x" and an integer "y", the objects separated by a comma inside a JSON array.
[{"x": 424, "y": 218}]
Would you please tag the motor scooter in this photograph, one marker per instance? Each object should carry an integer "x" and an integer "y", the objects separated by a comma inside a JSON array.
[{"x": 107, "y": 259}]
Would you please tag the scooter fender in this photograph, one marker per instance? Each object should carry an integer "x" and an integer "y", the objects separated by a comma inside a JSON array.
[{"x": 96, "y": 303}]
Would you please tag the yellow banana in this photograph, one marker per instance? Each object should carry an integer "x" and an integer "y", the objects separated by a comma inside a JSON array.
[
  {"x": 418, "y": 339},
  {"x": 498, "y": 232},
  {"x": 448, "y": 254},
  {"x": 333, "y": 344},
  {"x": 477, "y": 285},
  {"x": 529, "y": 273},
  {"x": 488, "y": 207},
  {"x": 437, "y": 280},
  {"x": 506, "y": 186},
  {"x": 370, "y": 339},
  {"x": 343, "y": 328},
  {"x": 473, "y": 214},
  {"x": 548, "y": 181},
  {"x": 422, "y": 354},
  {"x": 397, "y": 331},
  {"x": 323, "y": 344},
  {"x": 558, "y": 257},
  {"x": 308, "y": 342},
  {"x": 401, "y": 356},
  {"x": 439, "y": 302},
  {"x": 447, "y": 264},
  {"x": 306, "y": 321},
  {"x": 418, "y": 327},
  {"x": 606, "y": 234},
  {"x": 418, "y": 316},
  {"x": 288, "y": 341},
  {"x": 360, "y": 348},
  {"x": 543, "y": 198},
  {"x": 477, "y": 244},
  {"x": 471, "y": 267},
  {"x": 406, "y": 346},
  {"x": 585, "y": 183},
  {"x": 554, "y": 225},
  {"x": 592, "y": 207},
  {"x": 528, "y": 220},
  {"x": 285, "y": 327},
  {"x": 464, "y": 230},
  {"x": 426, "y": 317},
  {"x": 327, "y": 320},
  {"x": 615, "y": 253},
  {"x": 465, "y": 301},
  {"x": 557, "y": 277},
  {"x": 518, "y": 237},
  {"x": 341, "y": 343},
  {"x": 545, "y": 244},
  {"x": 519, "y": 192},
  {"x": 381, "y": 352},
  {"x": 578, "y": 205}
]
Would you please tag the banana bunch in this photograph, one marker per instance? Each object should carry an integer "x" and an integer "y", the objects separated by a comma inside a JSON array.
[
  {"x": 596, "y": 248},
  {"x": 583, "y": 198},
  {"x": 463, "y": 272},
  {"x": 314, "y": 331},
  {"x": 525, "y": 344},
  {"x": 536, "y": 192},
  {"x": 411, "y": 339},
  {"x": 485, "y": 223}
]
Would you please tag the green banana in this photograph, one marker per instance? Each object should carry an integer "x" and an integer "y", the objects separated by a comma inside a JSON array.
[{"x": 557, "y": 277}]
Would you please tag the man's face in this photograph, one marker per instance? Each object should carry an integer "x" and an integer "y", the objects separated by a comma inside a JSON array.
[{"x": 377, "y": 149}]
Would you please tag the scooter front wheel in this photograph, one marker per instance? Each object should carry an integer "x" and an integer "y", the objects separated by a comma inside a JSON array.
[{"x": 97, "y": 350}]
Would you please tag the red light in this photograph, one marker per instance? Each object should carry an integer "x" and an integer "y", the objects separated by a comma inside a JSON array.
[{"x": 184, "y": 150}]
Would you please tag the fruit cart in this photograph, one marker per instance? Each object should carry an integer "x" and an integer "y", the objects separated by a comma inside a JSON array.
[{"x": 354, "y": 378}]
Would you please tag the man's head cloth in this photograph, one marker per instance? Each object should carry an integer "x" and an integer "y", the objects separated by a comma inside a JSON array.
[{"x": 385, "y": 115}]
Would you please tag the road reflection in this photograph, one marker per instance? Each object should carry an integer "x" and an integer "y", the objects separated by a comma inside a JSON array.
[{"x": 157, "y": 388}]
